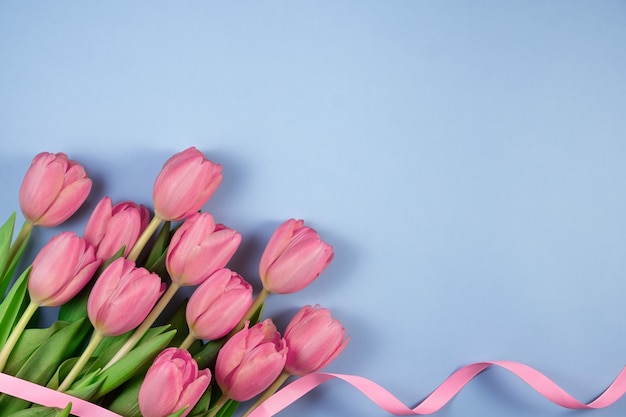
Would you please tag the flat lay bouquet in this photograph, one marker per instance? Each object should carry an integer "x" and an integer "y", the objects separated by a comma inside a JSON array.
[
  {"x": 122, "y": 344},
  {"x": 118, "y": 342}
]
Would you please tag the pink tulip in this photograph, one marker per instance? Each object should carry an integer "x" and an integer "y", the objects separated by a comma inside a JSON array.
[
  {"x": 54, "y": 187},
  {"x": 172, "y": 383},
  {"x": 112, "y": 227},
  {"x": 199, "y": 248},
  {"x": 314, "y": 340},
  {"x": 218, "y": 304},
  {"x": 293, "y": 258},
  {"x": 61, "y": 269},
  {"x": 185, "y": 184},
  {"x": 250, "y": 361},
  {"x": 122, "y": 297}
]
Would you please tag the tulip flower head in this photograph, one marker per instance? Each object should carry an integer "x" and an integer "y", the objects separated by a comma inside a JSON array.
[
  {"x": 112, "y": 227},
  {"x": 217, "y": 305},
  {"x": 314, "y": 340},
  {"x": 61, "y": 269},
  {"x": 294, "y": 256},
  {"x": 122, "y": 297},
  {"x": 198, "y": 248},
  {"x": 172, "y": 383},
  {"x": 53, "y": 188},
  {"x": 250, "y": 361},
  {"x": 185, "y": 183}
]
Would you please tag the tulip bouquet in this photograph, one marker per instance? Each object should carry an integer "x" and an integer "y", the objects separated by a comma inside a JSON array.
[{"x": 113, "y": 283}]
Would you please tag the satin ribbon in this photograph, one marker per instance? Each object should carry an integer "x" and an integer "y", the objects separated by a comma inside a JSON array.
[
  {"x": 442, "y": 394},
  {"x": 37, "y": 394},
  {"x": 384, "y": 399}
]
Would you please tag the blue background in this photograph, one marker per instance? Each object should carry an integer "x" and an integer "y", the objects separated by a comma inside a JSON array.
[{"x": 465, "y": 160}]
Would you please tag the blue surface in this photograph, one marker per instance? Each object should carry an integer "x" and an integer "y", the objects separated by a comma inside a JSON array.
[{"x": 466, "y": 160}]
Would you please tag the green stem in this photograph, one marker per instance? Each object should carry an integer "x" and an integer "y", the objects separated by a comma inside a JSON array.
[
  {"x": 260, "y": 298},
  {"x": 23, "y": 235},
  {"x": 16, "y": 333},
  {"x": 187, "y": 342},
  {"x": 218, "y": 404},
  {"x": 145, "y": 236},
  {"x": 95, "y": 340},
  {"x": 268, "y": 392},
  {"x": 145, "y": 326}
]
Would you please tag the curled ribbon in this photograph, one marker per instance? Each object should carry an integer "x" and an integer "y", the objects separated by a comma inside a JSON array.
[
  {"x": 442, "y": 394},
  {"x": 384, "y": 399}
]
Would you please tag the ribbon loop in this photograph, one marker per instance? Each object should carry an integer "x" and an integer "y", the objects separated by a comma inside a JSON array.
[
  {"x": 447, "y": 390},
  {"x": 443, "y": 393}
]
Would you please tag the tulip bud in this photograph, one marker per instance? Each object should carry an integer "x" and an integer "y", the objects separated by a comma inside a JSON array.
[
  {"x": 185, "y": 184},
  {"x": 250, "y": 361},
  {"x": 61, "y": 269},
  {"x": 199, "y": 248},
  {"x": 217, "y": 305},
  {"x": 112, "y": 227},
  {"x": 122, "y": 297},
  {"x": 314, "y": 340},
  {"x": 294, "y": 256},
  {"x": 54, "y": 187},
  {"x": 172, "y": 383}
]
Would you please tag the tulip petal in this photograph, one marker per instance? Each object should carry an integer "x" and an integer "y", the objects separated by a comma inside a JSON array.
[
  {"x": 172, "y": 382},
  {"x": 160, "y": 390},
  {"x": 61, "y": 269},
  {"x": 68, "y": 201},
  {"x": 258, "y": 371},
  {"x": 192, "y": 392},
  {"x": 41, "y": 185},
  {"x": 299, "y": 265},
  {"x": 185, "y": 183},
  {"x": 97, "y": 224},
  {"x": 122, "y": 297},
  {"x": 277, "y": 244},
  {"x": 314, "y": 339}
]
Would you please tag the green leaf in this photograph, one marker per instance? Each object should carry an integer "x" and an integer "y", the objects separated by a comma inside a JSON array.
[
  {"x": 227, "y": 410},
  {"x": 125, "y": 400},
  {"x": 65, "y": 412},
  {"x": 28, "y": 343},
  {"x": 92, "y": 373},
  {"x": 179, "y": 412},
  {"x": 63, "y": 344},
  {"x": 87, "y": 391},
  {"x": 111, "y": 345},
  {"x": 22, "y": 241},
  {"x": 85, "y": 378},
  {"x": 6, "y": 237},
  {"x": 159, "y": 248},
  {"x": 43, "y": 362},
  {"x": 61, "y": 373},
  {"x": 41, "y": 411},
  {"x": 206, "y": 357},
  {"x": 178, "y": 321},
  {"x": 133, "y": 362},
  {"x": 11, "y": 306}
]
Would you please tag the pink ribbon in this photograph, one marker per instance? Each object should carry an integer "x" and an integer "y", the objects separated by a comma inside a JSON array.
[
  {"x": 443, "y": 394},
  {"x": 434, "y": 402},
  {"x": 37, "y": 394}
]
